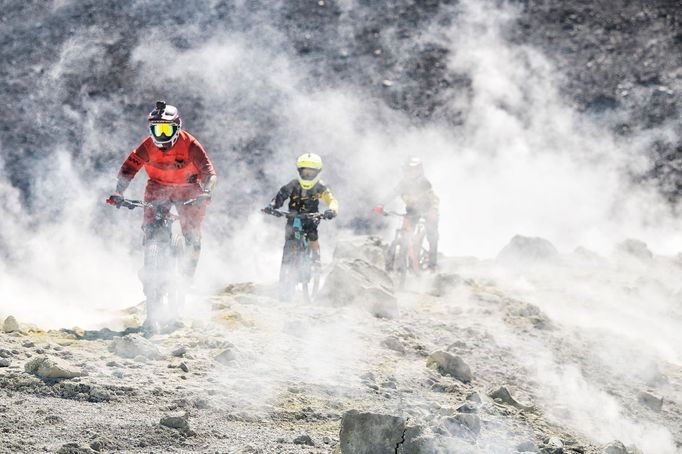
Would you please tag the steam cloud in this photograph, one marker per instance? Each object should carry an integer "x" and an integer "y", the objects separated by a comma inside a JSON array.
[{"x": 522, "y": 161}]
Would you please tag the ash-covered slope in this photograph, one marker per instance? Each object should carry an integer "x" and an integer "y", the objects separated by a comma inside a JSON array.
[{"x": 486, "y": 357}]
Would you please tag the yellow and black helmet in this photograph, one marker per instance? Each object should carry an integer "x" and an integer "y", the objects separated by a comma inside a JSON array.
[{"x": 309, "y": 166}]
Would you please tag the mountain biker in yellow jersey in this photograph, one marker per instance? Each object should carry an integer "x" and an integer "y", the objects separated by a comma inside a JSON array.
[
  {"x": 421, "y": 201},
  {"x": 304, "y": 194}
]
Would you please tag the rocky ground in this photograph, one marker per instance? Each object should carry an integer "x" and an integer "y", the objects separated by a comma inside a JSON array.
[{"x": 479, "y": 358}]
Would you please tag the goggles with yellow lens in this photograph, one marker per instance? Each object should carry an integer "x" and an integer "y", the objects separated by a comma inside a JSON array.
[{"x": 163, "y": 132}]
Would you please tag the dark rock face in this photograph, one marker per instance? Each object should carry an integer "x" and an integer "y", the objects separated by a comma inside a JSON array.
[{"x": 616, "y": 56}]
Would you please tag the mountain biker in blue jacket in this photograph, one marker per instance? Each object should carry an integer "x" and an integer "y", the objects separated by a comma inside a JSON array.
[
  {"x": 304, "y": 194},
  {"x": 421, "y": 201}
]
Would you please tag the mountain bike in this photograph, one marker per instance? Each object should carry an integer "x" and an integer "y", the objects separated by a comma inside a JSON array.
[
  {"x": 407, "y": 251},
  {"x": 163, "y": 280},
  {"x": 298, "y": 269}
]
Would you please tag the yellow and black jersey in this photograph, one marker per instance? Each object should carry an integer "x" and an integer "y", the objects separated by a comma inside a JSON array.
[{"x": 305, "y": 201}]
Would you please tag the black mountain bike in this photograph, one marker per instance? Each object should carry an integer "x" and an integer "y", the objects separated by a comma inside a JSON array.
[
  {"x": 163, "y": 280},
  {"x": 298, "y": 269}
]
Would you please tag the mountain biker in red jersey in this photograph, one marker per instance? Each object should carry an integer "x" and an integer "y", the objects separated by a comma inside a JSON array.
[
  {"x": 421, "y": 201},
  {"x": 178, "y": 170},
  {"x": 304, "y": 194}
]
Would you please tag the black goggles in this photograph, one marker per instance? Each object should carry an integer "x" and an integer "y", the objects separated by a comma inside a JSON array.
[{"x": 307, "y": 173}]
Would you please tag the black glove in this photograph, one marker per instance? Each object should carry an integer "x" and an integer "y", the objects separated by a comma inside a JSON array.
[
  {"x": 271, "y": 210},
  {"x": 329, "y": 214},
  {"x": 115, "y": 199}
]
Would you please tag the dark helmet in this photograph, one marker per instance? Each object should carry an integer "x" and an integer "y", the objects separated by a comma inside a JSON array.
[
  {"x": 164, "y": 125},
  {"x": 413, "y": 168}
]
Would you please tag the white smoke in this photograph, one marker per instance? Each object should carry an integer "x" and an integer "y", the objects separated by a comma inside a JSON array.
[{"x": 524, "y": 161}]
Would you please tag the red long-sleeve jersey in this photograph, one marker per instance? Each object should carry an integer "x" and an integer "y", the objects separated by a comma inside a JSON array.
[{"x": 185, "y": 164}]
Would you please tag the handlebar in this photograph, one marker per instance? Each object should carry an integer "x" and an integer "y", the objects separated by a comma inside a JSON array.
[
  {"x": 132, "y": 204},
  {"x": 291, "y": 215},
  {"x": 383, "y": 212}
]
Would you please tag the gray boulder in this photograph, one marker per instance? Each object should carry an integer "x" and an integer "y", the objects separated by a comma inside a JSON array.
[
  {"x": 359, "y": 282},
  {"x": 370, "y": 433},
  {"x": 418, "y": 441},
  {"x": 369, "y": 248},
  {"x": 527, "y": 249},
  {"x": 133, "y": 346},
  {"x": 617, "y": 447},
  {"x": 5, "y": 362},
  {"x": 448, "y": 364},
  {"x": 10, "y": 325},
  {"x": 634, "y": 249},
  {"x": 51, "y": 368}
]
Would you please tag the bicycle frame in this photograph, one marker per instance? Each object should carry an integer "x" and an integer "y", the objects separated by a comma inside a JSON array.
[
  {"x": 406, "y": 251},
  {"x": 297, "y": 262}
]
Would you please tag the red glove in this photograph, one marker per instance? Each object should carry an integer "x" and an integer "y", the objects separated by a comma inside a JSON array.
[{"x": 378, "y": 209}]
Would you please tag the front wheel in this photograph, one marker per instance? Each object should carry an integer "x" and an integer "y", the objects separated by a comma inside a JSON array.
[
  {"x": 288, "y": 272},
  {"x": 154, "y": 284},
  {"x": 397, "y": 259},
  {"x": 310, "y": 284}
]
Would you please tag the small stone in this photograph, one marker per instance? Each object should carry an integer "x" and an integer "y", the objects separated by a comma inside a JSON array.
[
  {"x": 474, "y": 397},
  {"x": 503, "y": 395},
  {"x": 555, "y": 443},
  {"x": 179, "y": 351},
  {"x": 387, "y": 83},
  {"x": 393, "y": 343},
  {"x": 455, "y": 425},
  {"x": 4, "y": 353},
  {"x": 304, "y": 440},
  {"x": 467, "y": 407},
  {"x": 226, "y": 357},
  {"x": 74, "y": 448},
  {"x": 448, "y": 364},
  {"x": 527, "y": 446},
  {"x": 650, "y": 400},
  {"x": 5, "y": 362},
  {"x": 184, "y": 367},
  {"x": 176, "y": 422},
  {"x": 326, "y": 440},
  {"x": 51, "y": 368},
  {"x": 28, "y": 344},
  {"x": 10, "y": 325},
  {"x": 134, "y": 346}
]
